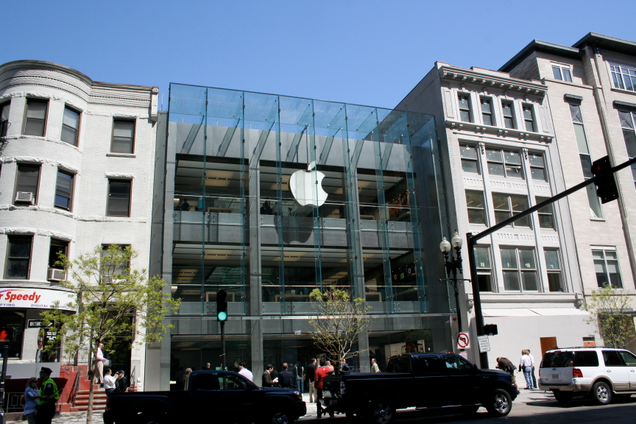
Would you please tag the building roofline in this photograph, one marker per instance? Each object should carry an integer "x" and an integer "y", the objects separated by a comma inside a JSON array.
[
  {"x": 606, "y": 42},
  {"x": 543, "y": 46}
]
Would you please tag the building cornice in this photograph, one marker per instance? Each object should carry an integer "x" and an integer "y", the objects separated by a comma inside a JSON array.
[
  {"x": 510, "y": 84},
  {"x": 479, "y": 129}
]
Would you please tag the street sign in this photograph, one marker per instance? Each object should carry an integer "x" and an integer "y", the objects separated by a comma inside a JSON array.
[
  {"x": 484, "y": 344},
  {"x": 35, "y": 323},
  {"x": 463, "y": 341}
]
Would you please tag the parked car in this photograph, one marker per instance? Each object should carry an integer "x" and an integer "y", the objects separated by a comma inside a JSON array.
[
  {"x": 600, "y": 372},
  {"x": 212, "y": 396},
  {"x": 423, "y": 381}
]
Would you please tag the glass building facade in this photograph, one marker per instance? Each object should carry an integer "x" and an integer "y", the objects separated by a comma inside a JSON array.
[{"x": 268, "y": 197}]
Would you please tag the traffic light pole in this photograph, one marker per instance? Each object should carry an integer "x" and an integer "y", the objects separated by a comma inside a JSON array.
[
  {"x": 472, "y": 241},
  {"x": 223, "y": 344}
]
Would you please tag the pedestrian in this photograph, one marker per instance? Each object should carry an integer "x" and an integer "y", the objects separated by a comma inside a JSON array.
[
  {"x": 285, "y": 377},
  {"x": 206, "y": 367},
  {"x": 186, "y": 378},
  {"x": 344, "y": 368},
  {"x": 109, "y": 381},
  {"x": 47, "y": 398},
  {"x": 31, "y": 400},
  {"x": 311, "y": 378},
  {"x": 267, "y": 380},
  {"x": 245, "y": 372},
  {"x": 99, "y": 361},
  {"x": 525, "y": 366},
  {"x": 506, "y": 365},
  {"x": 534, "y": 376},
  {"x": 321, "y": 374},
  {"x": 328, "y": 365},
  {"x": 299, "y": 373},
  {"x": 374, "y": 365},
  {"x": 121, "y": 383}
]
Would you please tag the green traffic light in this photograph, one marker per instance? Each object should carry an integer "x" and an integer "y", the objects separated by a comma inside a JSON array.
[{"x": 222, "y": 316}]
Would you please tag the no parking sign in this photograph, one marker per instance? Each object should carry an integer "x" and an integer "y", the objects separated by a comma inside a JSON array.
[{"x": 463, "y": 341}]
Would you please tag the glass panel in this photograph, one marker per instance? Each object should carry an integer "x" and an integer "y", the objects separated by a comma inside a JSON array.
[
  {"x": 581, "y": 139},
  {"x": 19, "y": 254},
  {"x": 484, "y": 282},
  {"x": 119, "y": 198},
  {"x": 512, "y": 157},
  {"x": 28, "y": 177},
  {"x": 123, "y": 136},
  {"x": 595, "y": 203},
  {"x": 567, "y": 74},
  {"x": 63, "y": 190},
  {"x": 554, "y": 282},
  {"x": 630, "y": 141},
  {"x": 536, "y": 159},
  {"x": 509, "y": 258},
  {"x": 526, "y": 256},
  {"x": 470, "y": 166},
  {"x": 529, "y": 281},
  {"x": 482, "y": 257},
  {"x": 496, "y": 169},
  {"x": 511, "y": 280},
  {"x": 36, "y": 117},
  {"x": 586, "y": 166},
  {"x": 539, "y": 174},
  {"x": 468, "y": 152},
  {"x": 70, "y": 125},
  {"x": 556, "y": 72},
  {"x": 494, "y": 155}
]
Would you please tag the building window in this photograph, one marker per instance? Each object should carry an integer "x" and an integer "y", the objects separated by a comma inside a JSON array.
[
  {"x": 508, "y": 114},
  {"x": 586, "y": 160},
  {"x": 470, "y": 159},
  {"x": 70, "y": 126},
  {"x": 476, "y": 209},
  {"x": 537, "y": 166},
  {"x": 623, "y": 77},
  {"x": 123, "y": 136},
  {"x": 4, "y": 119},
  {"x": 553, "y": 264},
  {"x": 508, "y": 205},
  {"x": 57, "y": 247},
  {"x": 118, "y": 197},
  {"x": 519, "y": 269},
  {"x": 114, "y": 269},
  {"x": 19, "y": 257},
  {"x": 627, "y": 123},
  {"x": 464, "y": 108},
  {"x": 486, "y": 111},
  {"x": 27, "y": 186},
  {"x": 506, "y": 163},
  {"x": 561, "y": 72},
  {"x": 63, "y": 190},
  {"x": 546, "y": 214},
  {"x": 35, "y": 121},
  {"x": 606, "y": 267},
  {"x": 484, "y": 271},
  {"x": 528, "y": 117}
]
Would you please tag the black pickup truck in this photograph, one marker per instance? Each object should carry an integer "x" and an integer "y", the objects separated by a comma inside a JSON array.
[
  {"x": 212, "y": 396},
  {"x": 423, "y": 381}
]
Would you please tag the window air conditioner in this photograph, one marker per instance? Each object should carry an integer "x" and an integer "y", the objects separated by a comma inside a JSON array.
[
  {"x": 24, "y": 196},
  {"x": 57, "y": 274}
]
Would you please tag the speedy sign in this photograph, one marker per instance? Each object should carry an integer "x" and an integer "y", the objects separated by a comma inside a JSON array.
[{"x": 34, "y": 298}]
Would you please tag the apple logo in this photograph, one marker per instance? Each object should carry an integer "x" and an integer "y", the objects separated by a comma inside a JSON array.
[{"x": 306, "y": 186}]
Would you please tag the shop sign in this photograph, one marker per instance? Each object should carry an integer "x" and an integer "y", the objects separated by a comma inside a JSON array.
[{"x": 35, "y": 298}]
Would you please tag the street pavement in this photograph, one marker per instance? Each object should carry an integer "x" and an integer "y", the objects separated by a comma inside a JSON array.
[{"x": 525, "y": 405}]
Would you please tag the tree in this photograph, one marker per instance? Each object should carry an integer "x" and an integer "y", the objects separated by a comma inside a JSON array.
[
  {"x": 111, "y": 301},
  {"x": 610, "y": 313},
  {"x": 339, "y": 323}
]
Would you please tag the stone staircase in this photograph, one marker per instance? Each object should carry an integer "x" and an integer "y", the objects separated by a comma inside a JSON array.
[{"x": 99, "y": 400}]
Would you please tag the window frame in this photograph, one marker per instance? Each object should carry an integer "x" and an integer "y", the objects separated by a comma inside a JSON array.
[
  {"x": 562, "y": 75},
  {"x": 62, "y": 246},
  {"x": 69, "y": 199},
  {"x": 544, "y": 212},
  {"x": 489, "y": 114},
  {"x": 484, "y": 271},
  {"x": 534, "y": 166},
  {"x": 604, "y": 250},
  {"x": 76, "y": 130},
  {"x": 530, "y": 118},
  {"x": 629, "y": 134},
  {"x": 109, "y": 209},
  {"x": 466, "y": 109},
  {"x": 12, "y": 240},
  {"x": 518, "y": 270},
  {"x": 28, "y": 120},
  {"x": 481, "y": 210},
  {"x": 5, "y": 109},
  {"x": 21, "y": 186},
  {"x": 618, "y": 76},
  {"x": 511, "y": 211},
  {"x": 554, "y": 271},
  {"x": 468, "y": 159},
  {"x": 504, "y": 162},
  {"x": 117, "y": 140},
  {"x": 509, "y": 119}
]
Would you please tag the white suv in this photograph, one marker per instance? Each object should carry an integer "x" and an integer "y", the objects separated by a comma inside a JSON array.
[{"x": 601, "y": 372}]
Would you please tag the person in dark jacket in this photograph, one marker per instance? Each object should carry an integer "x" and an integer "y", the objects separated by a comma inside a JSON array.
[
  {"x": 311, "y": 378},
  {"x": 267, "y": 377},
  {"x": 121, "y": 383},
  {"x": 285, "y": 377}
]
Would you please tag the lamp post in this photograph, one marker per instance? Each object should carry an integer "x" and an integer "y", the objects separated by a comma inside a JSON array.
[{"x": 453, "y": 263}]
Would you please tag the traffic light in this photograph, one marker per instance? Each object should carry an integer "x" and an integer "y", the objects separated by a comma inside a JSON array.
[
  {"x": 6, "y": 334},
  {"x": 221, "y": 305},
  {"x": 605, "y": 184}
]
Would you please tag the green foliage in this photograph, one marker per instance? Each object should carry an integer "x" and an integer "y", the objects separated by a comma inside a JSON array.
[
  {"x": 610, "y": 312},
  {"x": 339, "y": 323},
  {"x": 111, "y": 301}
]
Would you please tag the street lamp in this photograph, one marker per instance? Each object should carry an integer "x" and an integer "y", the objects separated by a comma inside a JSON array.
[{"x": 453, "y": 264}]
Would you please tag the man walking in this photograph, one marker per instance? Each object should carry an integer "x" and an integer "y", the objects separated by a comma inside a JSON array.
[
  {"x": 285, "y": 377},
  {"x": 47, "y": 398},
  {"x": 311, "y": 378},
  {"x": 245, "y": 372}
]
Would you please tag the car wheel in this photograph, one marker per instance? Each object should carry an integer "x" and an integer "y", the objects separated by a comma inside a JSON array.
[
  {"x": 563, "y": 397},
  {"x": 499, "y": 403},
  {"x": 279, "y": 417},
  {"x": 381, "y": 411},
  {"x": 601, "y": 393}
]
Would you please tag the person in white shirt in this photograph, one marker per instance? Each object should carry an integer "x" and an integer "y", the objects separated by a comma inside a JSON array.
[
  {"x": 99, "y": 359},
  {"x": 525, "y": 366},
  {"x": 245, "y": 372},
  {"x": 534, "y": 377},
  {"x": 109, "y": 382}
]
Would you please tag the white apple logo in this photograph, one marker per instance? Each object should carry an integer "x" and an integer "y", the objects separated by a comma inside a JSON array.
[{"x": 306, "y": 186}]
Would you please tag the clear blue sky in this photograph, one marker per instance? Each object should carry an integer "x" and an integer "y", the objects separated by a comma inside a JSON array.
[{"x": 363, "y": 52}]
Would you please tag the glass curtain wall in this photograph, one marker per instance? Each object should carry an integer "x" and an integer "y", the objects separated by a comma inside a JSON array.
[{"x": 276, "y": 196}]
